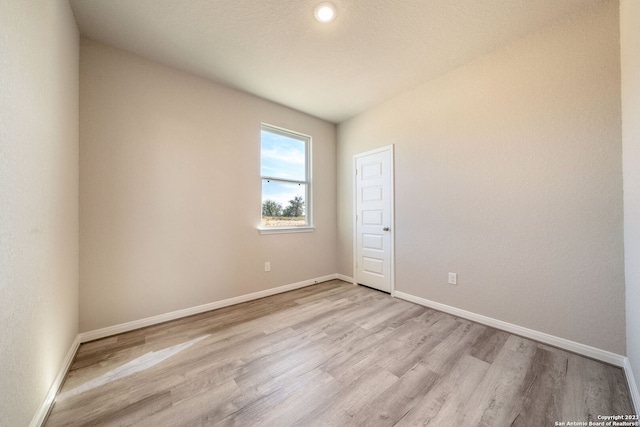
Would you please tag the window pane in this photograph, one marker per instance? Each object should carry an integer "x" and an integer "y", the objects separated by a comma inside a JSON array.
[
  {"x": 282, "y": 156},
  {"x": 283, "y": 203}
]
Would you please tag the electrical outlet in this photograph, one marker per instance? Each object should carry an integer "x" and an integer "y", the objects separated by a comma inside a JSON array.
[
  {"x": 267, "y": 266},
  {"x": 453, "y": 279}
]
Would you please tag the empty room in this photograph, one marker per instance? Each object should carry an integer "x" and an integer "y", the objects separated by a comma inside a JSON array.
[{"x": 308, "y": 212}]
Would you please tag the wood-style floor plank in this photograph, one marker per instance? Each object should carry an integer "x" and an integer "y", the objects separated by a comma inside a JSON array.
[{"x": 331, "y": 354}]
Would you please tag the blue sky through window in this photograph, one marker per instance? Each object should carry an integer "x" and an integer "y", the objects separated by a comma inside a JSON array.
[{"x": 282, "y": 157}]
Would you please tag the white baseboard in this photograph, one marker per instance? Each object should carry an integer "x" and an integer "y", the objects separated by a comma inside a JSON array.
[
  {"x": 154, "y": 320},
  {"x": 585, "y": 350},
  {"x": 45, "y": 407},
  {"x": 633, "y": 385},
  {"x": 345, "y": 278}
]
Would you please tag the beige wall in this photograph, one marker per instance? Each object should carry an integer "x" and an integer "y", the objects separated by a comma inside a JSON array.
[
  {"x": 508, "y": 172},
  {"x": 38, "y": 200},
  {"x": 630, "y": 62},
  {"x": 170, "y": 192}
]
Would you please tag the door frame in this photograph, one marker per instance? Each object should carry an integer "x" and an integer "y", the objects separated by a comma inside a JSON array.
[{"x": 392, "y": 263}]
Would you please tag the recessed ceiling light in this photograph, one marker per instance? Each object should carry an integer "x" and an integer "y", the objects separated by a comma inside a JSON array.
[{"x": 325, "y": 12}]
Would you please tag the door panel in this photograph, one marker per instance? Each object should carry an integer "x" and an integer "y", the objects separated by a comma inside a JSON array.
[
  {"x": 373, "y": 266},
  {"x": 374, "y": 217},
  {"x": 372, "y": 242},
  {"x": 372, "y": 194}
]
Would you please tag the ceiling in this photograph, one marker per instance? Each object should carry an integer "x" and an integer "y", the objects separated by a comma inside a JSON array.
[{"x": 275, "y": 49}]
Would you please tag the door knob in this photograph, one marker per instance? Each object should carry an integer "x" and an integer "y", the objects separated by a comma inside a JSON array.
[{"x": 385, "y": 229}]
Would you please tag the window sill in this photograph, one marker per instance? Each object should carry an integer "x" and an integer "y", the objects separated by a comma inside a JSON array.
[{"x": 286, "y": 230}]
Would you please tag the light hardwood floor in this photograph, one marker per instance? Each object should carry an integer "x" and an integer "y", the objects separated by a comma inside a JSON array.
[{"x": 332, "y": 354}]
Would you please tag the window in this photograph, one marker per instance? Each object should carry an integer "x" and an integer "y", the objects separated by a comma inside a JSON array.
[{"x": 286, "y": 180}]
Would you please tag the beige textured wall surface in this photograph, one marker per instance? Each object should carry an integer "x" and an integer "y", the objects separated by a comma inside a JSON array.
[
  {"x": 509, "y": 173},
  {"x": 170, "y": 192},
  {"x": 630, "y": 63},
  {"x": 38, "y": 200}
]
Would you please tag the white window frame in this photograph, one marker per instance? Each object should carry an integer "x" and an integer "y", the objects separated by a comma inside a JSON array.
[{"x": 308, "y": 227}]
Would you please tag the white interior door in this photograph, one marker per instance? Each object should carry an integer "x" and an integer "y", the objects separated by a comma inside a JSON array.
[{"x": 374, "y": 219}]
